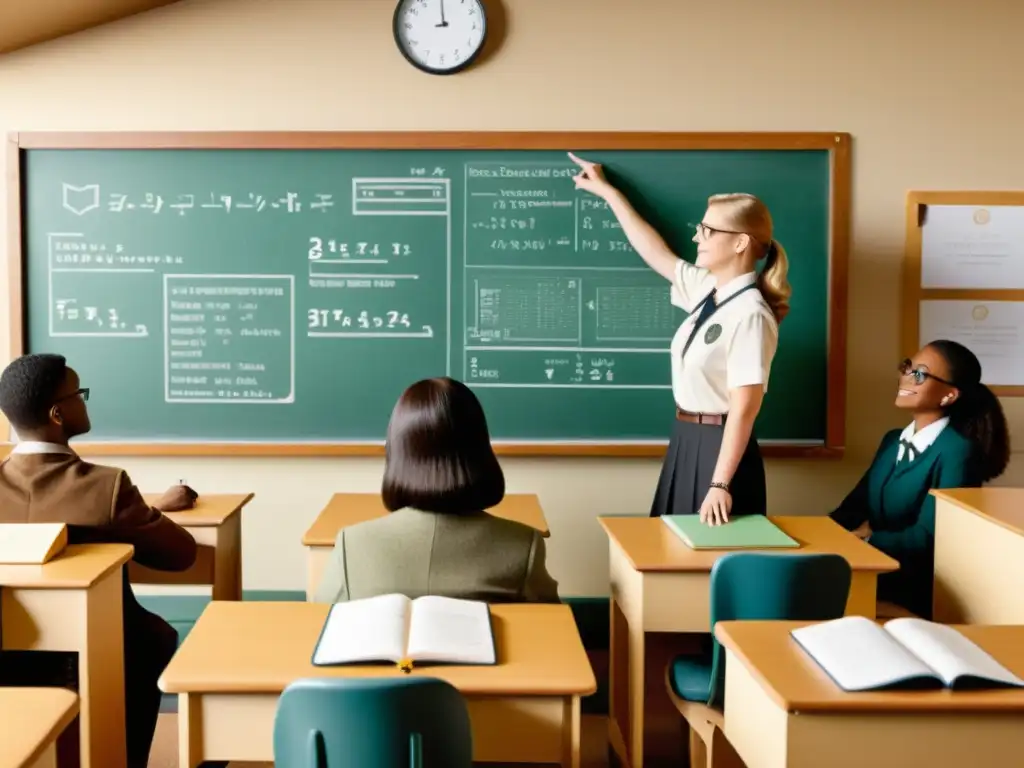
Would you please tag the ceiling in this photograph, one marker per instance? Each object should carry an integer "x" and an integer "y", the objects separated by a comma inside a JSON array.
[{"x": 27, "y": 22}]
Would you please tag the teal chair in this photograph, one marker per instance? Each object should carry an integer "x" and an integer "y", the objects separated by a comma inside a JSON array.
[
  {"x": 402, "y": 722},
  {"x": 752, "y": 586}
]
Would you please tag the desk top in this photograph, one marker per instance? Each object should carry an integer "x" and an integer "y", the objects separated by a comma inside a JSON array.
[
  {"x": 79, "y": 566},
  {"x": 210, "y": 510},
  {"x": 261, "y": 647},
  {"x": 1003, "y": 506},
  {"x": 33, "y": 718},
  {"x": 796, "y": 683},
  {"x": 649, "y": 545},
  {"x": 345, "y": 509}
]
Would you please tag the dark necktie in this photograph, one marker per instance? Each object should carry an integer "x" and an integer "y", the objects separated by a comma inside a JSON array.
[
  {"x": 909, "y": 450},
  {"x": 707, "y": 308}
]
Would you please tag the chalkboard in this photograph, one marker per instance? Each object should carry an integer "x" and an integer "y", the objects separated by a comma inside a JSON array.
[{"x": 275, "y": 293}]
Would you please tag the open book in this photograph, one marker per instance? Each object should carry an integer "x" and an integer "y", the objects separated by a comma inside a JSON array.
[
  {"x": 861, "y": 655},
  {"x": 439, "y": 630}
]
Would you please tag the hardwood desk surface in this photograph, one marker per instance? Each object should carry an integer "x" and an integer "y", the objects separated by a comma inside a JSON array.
[
  {"x": 210, "y": 510},
  {"x": 649, "y": 545},
  {"x": 32, "y": 719},
  {"x": 261, "y": 647},
  {"x": 797, "y": 684},
  {"x": 79, "y": 566},
  {"x": 1003, "y": 506},
  {"x": 345, "y": 509}
]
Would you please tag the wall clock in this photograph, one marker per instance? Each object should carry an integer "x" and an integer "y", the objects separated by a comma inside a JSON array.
[{"x": 440, "y": 37}]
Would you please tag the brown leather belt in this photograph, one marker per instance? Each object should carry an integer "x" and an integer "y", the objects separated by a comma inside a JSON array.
[{"x": 716, "y": 419}]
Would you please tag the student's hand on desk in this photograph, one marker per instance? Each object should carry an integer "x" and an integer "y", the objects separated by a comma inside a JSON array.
[
  {"x": 863, "y": 532},
  {"x": 716, "y": 507},
  {"x": 177, "y": 498}
]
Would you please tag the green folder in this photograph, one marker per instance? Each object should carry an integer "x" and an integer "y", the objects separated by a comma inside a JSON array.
[{"x": 741, "y": 532}]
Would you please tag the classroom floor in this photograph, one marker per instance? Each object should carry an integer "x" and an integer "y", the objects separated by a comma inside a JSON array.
[{"x": 164, "y": 753}]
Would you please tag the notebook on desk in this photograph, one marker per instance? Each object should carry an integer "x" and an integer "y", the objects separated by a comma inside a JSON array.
[
  {"x": 903, "y": 654},
  {"x": 741, "y": 532},
  {"x": 393, "y": 628}
]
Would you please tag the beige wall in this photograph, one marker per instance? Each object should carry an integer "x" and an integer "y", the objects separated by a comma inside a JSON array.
[{"x": 932, "y": 99}]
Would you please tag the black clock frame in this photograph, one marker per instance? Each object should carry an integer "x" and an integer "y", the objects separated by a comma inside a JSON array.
[{"x": 396, "y": 23}]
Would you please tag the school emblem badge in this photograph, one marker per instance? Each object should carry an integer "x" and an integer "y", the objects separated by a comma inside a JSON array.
[{"x": 712, "y": 333}]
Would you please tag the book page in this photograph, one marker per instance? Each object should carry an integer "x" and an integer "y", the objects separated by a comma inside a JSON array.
[
  {"x": 859, "y": 655},
  {"x": 447, "y": 630},
  {"x": 372, "y": 629},
  {"x": 948, "y": 652}
]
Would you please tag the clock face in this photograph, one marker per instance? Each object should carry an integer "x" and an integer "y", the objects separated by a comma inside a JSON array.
[{"x": 440, "y": 36}]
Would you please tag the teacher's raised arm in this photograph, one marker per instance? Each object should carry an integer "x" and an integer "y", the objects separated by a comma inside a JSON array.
[{"x": 722, "y": 353}]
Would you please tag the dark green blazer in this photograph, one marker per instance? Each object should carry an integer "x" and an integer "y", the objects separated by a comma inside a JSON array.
[{"x": 895, "y": 501}]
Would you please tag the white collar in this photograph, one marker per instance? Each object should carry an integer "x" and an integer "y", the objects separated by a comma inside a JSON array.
[
  {"x": 35, "y": 447},
  {"x": 735, "y": 285},
  {"x": 921, "y": 440}
]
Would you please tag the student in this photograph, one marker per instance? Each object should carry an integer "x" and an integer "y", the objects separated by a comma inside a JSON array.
[
  {"x": 722, "y": 353},
  {"x": 957, "y": 439},
  {"x": 44, "y": 481},
  {"x": 440, "y": 474}
]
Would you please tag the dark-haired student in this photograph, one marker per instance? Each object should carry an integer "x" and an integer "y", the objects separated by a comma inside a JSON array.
[
  {"x": 440, "y": 477},
  {"x": 44, "y": 481},
  {"x": 957, "y": 439}
]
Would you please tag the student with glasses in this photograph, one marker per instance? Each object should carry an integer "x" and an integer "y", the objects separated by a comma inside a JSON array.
[
  {"x": 722, "y": 353},
  {"x": 44, "y": 481},
  {"x": 957, "y": 438}
]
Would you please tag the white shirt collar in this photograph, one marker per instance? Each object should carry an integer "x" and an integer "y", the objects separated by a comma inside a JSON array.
[
  {"x": 921, "y": 440},
  {"x": 33, "y": 446},
  {"x": 735, "y": 285}
]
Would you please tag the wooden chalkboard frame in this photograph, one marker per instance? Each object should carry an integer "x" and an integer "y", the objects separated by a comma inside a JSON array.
[
  {"x": 837, "y": 145},
  {"x": 913, "y": 293}
]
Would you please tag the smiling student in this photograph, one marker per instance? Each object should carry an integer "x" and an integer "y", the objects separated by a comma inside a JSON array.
[
  {"x": 957, "y": 439},
  {"x": 722, "y": 353}
]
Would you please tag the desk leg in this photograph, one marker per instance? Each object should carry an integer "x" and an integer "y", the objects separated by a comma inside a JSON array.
[
  {"x": 227, "y": 560},
  {"x": 190, "y": 731},
  {"x": 101, "y": 676},
  {"x": 571, "y": 729}
]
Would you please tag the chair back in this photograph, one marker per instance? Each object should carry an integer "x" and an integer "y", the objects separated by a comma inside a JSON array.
[
  {"x": 755, "y": 586},
  {"x": 406, "y": 722}
]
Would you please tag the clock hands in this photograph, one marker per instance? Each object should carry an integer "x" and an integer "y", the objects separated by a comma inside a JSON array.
[{"x": 443, "y": 22}]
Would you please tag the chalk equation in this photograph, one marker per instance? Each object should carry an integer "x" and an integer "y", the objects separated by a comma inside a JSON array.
[
  {"x": 350, "y": 251},
  {"x": 364, "y": 323},
  {"x": 87, "y": 198},
  {"x": 229, "y": 338}
]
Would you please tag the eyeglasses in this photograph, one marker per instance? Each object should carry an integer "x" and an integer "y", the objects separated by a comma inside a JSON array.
[
  {"x": 907, "y": 369},
  {"x": 83, "y": 392},
  {"x": 705, "y": 232}
]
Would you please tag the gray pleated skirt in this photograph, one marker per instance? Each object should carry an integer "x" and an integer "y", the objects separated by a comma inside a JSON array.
[{"x": 688, "y": 468}]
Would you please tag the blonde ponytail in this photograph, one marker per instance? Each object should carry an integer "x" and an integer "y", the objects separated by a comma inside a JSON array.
[{"x": 773, "y": 281}]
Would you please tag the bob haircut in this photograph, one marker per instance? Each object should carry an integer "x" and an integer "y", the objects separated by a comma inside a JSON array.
[{"x": 438, "y": 456}]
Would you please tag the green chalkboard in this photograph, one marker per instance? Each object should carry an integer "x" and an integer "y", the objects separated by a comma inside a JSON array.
[{"x": 284, "y": 290}]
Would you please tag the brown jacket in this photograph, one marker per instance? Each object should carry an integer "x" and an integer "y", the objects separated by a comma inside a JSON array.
[
  {"x": 98, "y": 504},
  {"x": 414, "y": 553}
]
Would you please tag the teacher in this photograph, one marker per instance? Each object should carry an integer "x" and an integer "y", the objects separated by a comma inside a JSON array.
[{"x": 722, "y": 353}]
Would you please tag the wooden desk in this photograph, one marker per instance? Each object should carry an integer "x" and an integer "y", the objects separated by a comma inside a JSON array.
[
  {"x": 73, "y": 603},
  {"x": 216, "y": 525},
  {"x": 979, "y": 556},
  {"x": 33, "y": 719},
  {"x": 659, "y": 585},
  {"x": 239, "y": 657},
  {"x": 783, "y": 711},
  {"x": 345, "y": 509}
]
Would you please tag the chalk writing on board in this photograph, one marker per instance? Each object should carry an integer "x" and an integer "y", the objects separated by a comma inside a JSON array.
[
  {"x": 229, "y": 338},
  {"x": 555, "y": 295},
  {"x": 362, "y": 323},
  {"x": 351, "y": 252},
  {"x": 78, "y": 274},
  {"x": 85, "y": 198}
]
